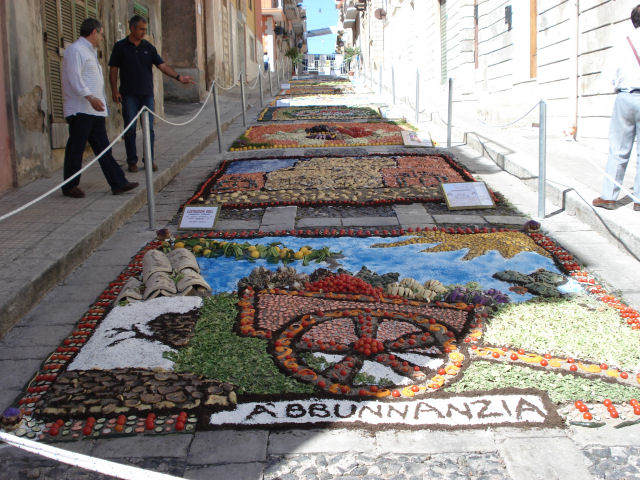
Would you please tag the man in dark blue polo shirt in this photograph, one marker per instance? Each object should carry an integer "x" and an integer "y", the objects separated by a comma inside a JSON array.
[{"x": 135, "y": 57}]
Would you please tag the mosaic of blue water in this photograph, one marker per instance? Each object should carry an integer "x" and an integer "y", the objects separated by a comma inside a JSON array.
[{"x": 223, "y": 273}]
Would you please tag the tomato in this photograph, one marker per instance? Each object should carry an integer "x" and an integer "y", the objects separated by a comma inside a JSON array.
[
  {"x": 514, "y": 356},
  {"x": 607, "y": 402},
  {"x": 587, "y": 416},
  {"x": 395, "y": 393},
  {"x": 573, "y": 368},
  {"x": 544, "y": 363}
]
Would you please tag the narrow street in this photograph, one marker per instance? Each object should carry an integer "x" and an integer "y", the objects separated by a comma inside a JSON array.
[{"x": 555, "y": 448}]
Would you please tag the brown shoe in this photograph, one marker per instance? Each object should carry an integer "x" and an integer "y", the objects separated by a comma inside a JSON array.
[
  {"x": 125, "y": 188},
  {"x": 636, "y": 207},
  {"x": 608, "y": 204},
  {"x": 132, "y": 167},
  {"x": 73, "y": 192},
  {"x": 154, "y": 166}
]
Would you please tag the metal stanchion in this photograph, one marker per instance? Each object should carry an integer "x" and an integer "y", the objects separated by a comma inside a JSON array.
[
  {"x": 417, "y": 94},
  {"x": 217, "y": 113},
  {"x": 380, "y": 87},
  {"x": 244, "y": 102},
  {"x": 260, "y": 88},
  {"x": 278, "y": 75},
  {"x": 542, "y": 159},
  {"x": 146, "y": 146},
  {"x": 393, "y": 84},
  {"x": 270, "y": 83},
  {"x": 449, "y": 112}
]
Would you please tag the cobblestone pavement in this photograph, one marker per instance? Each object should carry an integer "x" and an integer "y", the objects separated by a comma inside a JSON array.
[
  {"x": 607, "y": 463},
  {"x": 480, "y": 466}
]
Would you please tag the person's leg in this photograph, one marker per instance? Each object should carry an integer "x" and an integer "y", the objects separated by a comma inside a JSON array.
[
  {"x": 636, "y": 183},
  {"x": 622, "y": 131},
  {"x": 99, "y": 141},
  {"x": 78, "y": 135},
  {"x": 130, "y": 107}
]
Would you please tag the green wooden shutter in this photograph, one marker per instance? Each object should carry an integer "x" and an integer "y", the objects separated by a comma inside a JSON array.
[
  {"x": 141, "y": 10},
  {"x": 54, "y": 62}
]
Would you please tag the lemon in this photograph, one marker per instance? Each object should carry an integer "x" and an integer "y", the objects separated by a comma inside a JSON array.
[
  {"x": 206, "y": 252},
  {"x": 298, "y": 255},
  {"x": 197, "y": 249},
  {"x": 255, "y": 254},
  {"x": 179, "y": 245}
]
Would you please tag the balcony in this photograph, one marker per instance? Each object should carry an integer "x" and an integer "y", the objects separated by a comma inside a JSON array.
[{"x": 273, "y": 8}]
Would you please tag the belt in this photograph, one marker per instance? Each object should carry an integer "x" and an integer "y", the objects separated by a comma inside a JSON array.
[{"x": 629, "y": 90}]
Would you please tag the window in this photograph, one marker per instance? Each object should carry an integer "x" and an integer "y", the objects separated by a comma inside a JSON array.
[
  {"x": 62, "y": 20},
  {"x": 443, "y": 41}
]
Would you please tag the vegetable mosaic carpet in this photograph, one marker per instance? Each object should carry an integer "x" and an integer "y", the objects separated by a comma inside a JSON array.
[
  {"x": 441, "y": 328},
  {"x": 370, "y": 180}
]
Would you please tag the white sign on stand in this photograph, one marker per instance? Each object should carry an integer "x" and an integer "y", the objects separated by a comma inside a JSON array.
[
  {"x": 199, "y": 218},
  {"x": 283, "y": 103},
  {"x": 412, "y": 139},
  {"x": 467, "y": 195},
  {"x": 285, "y": 86}
]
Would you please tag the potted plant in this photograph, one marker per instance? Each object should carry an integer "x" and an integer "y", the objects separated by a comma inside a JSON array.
[{"x": 296, "y": 57}]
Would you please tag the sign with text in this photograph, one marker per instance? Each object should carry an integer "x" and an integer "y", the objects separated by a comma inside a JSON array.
[
  {"x": 412, "y": 139},
  {"x": 461, "y": 412},
  {"x": 467, "y": 195},
  {"x": 285, "y": 86},
  {"x": 199, "y": 218}
]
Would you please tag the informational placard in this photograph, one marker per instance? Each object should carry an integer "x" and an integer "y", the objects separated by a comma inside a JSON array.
[
  {"x": 285, "y": 86},
  {"x": 283, "y": 102},
  {"x": 412, "y": 139},
  {"x": 467, "y": 195},
  {"x": 199, "y": 218}
]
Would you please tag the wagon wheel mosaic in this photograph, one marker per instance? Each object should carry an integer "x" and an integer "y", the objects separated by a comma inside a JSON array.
[{"x": 395, "y": 336}]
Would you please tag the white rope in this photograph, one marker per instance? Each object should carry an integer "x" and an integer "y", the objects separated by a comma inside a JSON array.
[
  {"x": 229, "y": 88},
  {"x": 44, "y": 195},
  {"x": 255, "y": 83},
  {"x": 180, "y": 124},
  {"x": 510, "y": 123},
  {"x": 93, "y": 464}
]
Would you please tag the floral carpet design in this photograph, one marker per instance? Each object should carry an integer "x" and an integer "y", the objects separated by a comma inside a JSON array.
[
  {"x": 326, "y": 113},
  {"x": 372, "y": 180},
  {"x": 435, "y": 327},
  {"x": 303, "y": 135}
]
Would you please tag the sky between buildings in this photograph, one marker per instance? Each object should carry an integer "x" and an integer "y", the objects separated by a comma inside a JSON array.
[{"x": 321, "y": 14}]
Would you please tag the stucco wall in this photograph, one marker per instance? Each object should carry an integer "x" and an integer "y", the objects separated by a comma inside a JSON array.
[
  {"x": 27, "y": 101},
  {"x": 7, "y": 177}
]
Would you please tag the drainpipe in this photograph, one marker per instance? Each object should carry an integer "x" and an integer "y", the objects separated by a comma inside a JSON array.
[{"x": 573, "y": 93}]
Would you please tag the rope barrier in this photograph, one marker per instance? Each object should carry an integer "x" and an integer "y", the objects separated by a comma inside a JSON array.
[
  {"x": 91, "y": 162},
  {"x": 180, "y": 124},
  {"x": 100, "y": 155},
  {"x": 229, "y": 88},
  {"x": 255, "y": 83},
  {"x": 93, "y": 464}
]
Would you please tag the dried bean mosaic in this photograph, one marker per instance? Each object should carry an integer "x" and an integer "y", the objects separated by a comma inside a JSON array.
[
  {"x": 334, "y": 134},
  {"x": 348, "y": 181},
  {"x": 394, "y": 328},
  {"x": 326, "y": 113}
]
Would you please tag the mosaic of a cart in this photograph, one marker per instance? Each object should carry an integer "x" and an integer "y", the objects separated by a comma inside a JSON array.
[
  {"x": 372, "y": 180},
  {"x": 446, "y": 328}
]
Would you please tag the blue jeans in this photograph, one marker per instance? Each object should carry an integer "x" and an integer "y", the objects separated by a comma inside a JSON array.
[{"x": 131, "y": 105}]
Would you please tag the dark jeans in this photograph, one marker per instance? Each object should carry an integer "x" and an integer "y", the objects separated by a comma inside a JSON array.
[
  {"x": 131, "y": 105},
  {"x": 91, "y": 128}
]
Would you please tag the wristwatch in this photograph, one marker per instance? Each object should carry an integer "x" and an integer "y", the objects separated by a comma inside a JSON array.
[{"x": 178, "y": 77}]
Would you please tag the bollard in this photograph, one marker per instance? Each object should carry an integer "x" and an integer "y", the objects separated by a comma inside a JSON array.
[
  {"x": 270, "y": 83},
  {"x": 278, "y": 75},
  {"x": 260, "y": 88},
  {"x": 380, "y": 87},
  {"x": 542, "y": 159},
  {"x": 148, "y": 165},
  {"x": 449, "y": 112},
  {"x": 417, "y": 95},
  {"x": 217, "y": 113},
  {"x": 393, "y": 84},
  {"x": 244, "y": 102}
]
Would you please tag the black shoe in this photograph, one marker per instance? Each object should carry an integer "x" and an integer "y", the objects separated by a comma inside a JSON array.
[
  {"x": 132, "y": 167},
  {"x": 73, "y": 192},
  {"x": 125, "y": 188}
]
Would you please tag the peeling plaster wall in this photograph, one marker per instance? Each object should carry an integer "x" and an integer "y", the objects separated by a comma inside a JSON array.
[
  {"x": 26, "y": 102},
  {"x": 6, "y": 164}
]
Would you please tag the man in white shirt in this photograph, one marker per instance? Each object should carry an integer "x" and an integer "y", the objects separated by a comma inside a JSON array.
[
  {"x": 625, "y": 119},
  {"x": 85, "y": 111}
]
